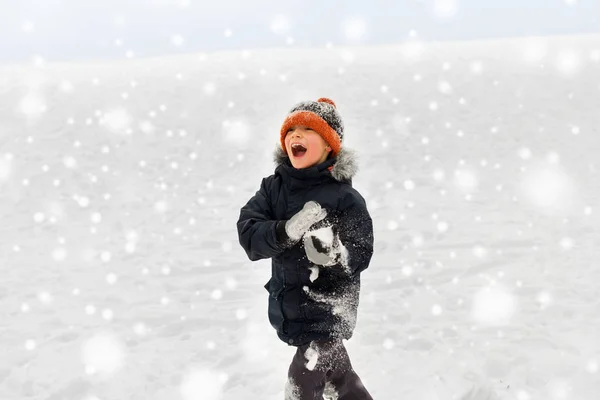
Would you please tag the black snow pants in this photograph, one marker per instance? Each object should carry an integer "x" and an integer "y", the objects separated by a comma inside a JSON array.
[{"x": 322, "y": 369}]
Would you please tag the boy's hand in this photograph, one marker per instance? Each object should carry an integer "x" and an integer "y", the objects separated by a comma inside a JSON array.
[{"x": 298, "y": 225}]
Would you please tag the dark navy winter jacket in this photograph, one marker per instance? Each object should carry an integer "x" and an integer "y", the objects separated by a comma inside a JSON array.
[{"x": 306, "y": 301}]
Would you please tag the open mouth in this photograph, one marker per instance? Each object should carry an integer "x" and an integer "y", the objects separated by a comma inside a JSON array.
[{"x": 298, "y": 150}]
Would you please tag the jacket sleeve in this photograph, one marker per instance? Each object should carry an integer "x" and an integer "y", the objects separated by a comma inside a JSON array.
[
  {"x": 259, "y": 234},
  {"x": 355, "y": 232}
]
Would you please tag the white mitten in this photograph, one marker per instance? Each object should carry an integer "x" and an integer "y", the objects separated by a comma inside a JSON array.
[{"x": 298, "y": 225}]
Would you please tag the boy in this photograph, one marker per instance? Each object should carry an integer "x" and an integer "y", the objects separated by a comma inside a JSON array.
[{"x": 316, "y": 229}]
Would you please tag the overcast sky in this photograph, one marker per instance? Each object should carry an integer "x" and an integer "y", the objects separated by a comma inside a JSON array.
[{"x": 60, "y": 30}]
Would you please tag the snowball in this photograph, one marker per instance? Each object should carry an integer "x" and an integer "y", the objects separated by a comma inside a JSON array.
[
  {"x": 30, "y": 345},
  {"x": 202, "y": 383},
  {"x": 325, "y": 235},
  {"x": 312, "y": 355},
  {"x": 392, "y": 225},
  {"x": 493, "y": 306},
  {"x": 592, "y": 366},
  {"x": 104, "y": 353},
  {"x": 436, "y": 309},
  {"x": 409, "y": 185}
]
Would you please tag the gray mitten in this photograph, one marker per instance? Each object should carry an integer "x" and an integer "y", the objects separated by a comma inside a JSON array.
[{"x": 298, "y": 225}]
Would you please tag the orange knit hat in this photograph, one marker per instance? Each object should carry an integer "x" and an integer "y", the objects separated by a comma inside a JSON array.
[{"x": 322, "y": 117}]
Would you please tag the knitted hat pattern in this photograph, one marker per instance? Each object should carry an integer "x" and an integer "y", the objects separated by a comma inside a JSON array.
[{"x": 322, "y": 117}]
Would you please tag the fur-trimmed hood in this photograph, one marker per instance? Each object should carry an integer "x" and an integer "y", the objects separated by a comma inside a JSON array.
[{"x": 344, "y": 168}]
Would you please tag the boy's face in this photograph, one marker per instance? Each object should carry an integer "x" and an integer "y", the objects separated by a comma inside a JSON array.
[{"x": 305, "y": 147}]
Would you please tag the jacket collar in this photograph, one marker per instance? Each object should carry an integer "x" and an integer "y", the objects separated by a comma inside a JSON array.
[{"x": 343, "y": 167}]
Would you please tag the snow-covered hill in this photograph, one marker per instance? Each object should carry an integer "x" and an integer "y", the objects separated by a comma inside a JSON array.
[{"x": 120, "y": 186}]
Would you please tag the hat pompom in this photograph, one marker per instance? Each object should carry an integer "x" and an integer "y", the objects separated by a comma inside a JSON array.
[{"x": 326, "y": 100}]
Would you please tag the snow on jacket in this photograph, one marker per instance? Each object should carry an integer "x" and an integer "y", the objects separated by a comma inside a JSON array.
[{"x": 306, "y": 301}]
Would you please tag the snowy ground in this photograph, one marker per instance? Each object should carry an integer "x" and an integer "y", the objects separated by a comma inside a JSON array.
[{"x": 120, "y": 186}]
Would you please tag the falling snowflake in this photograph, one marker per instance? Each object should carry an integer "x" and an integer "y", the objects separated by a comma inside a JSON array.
[
  {"x": 32, "y": 105},
  {"x": 117, "y": 120},
  {"x": 236, "y": 132},
  {"x": 202, "y": 383},
  {"x": 280, "y": 24},
  {"x": 568, "y": 62},
  {"x": 103, "y": 353},
  {"x": 493, "y": 306},
  {"x": 465, "y": 179},
  {"x": 354, "y": 28},
  {"x": 445, "y": 9},
  {"x": 177, "y": 40}
]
